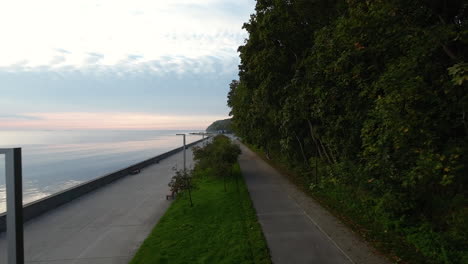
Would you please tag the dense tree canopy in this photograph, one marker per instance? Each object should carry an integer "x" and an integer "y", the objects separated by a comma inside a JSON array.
[{"x": 378, "y": 92}]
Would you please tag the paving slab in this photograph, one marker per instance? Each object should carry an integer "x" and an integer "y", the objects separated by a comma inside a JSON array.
[{"x": 105, "y": 226}]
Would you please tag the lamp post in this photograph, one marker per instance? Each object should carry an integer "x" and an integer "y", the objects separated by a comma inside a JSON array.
[
  {"x": 14, "y": 192},
  {"x": 184, "y": 150},
  {"x": 185, "y": 173}
]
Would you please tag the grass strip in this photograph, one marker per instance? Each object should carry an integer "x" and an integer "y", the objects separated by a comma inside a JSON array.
[{"x": 222, "y": 227}]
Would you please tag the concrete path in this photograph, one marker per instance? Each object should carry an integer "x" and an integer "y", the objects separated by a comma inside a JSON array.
[
  {"x": 297, "y": 229},
  {"x": 106, "y": 226}
]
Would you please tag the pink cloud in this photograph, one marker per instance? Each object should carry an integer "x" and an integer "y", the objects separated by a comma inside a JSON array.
[{"x": 114, "y": 120}]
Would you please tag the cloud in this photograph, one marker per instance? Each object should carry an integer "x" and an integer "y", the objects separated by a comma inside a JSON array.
[
  {"x": 173, "y": 85},
  {"x": 134, "y": 57},
  {"x": 114, "y": 29},
  {"x": 137, "y": 13},
  {"x": 135, "y": 64},
  {"x": 57, "y": 60},
  {"x": 94, "y": 58},
  {"x": 19, "y": 117},
  {"x": 113, "y": 120},
  {"x": 63, "y": 51},
  {"x": 166, "y": 57}
]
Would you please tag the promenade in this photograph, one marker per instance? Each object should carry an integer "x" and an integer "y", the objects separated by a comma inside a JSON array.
[{"x": 105, "y": 226}]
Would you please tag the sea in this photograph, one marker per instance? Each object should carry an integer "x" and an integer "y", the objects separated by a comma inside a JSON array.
[{"x": 56, "y": 160}]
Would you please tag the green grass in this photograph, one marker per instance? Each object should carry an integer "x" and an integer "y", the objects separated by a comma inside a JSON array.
[{"x": 222, "y": 227}]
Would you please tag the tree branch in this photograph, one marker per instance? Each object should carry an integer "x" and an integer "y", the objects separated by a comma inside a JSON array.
[{"x": 449, "y": 52}]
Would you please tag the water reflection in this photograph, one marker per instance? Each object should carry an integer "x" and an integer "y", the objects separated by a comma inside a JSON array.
[{"x": 57, "y": 160}]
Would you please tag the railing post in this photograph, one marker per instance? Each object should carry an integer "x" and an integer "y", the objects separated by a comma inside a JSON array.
[{"x": 14, "y": 190}]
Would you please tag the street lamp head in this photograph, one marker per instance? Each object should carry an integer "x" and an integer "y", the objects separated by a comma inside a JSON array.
[{"x": 180, "y": 134}]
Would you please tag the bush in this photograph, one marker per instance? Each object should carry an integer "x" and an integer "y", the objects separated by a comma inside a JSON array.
[
  {"x": 218, "y": 156},
  {"x": 180, "y": 181}
]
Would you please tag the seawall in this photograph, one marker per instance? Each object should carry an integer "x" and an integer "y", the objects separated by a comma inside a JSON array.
[{"x": 53, "y": 201}]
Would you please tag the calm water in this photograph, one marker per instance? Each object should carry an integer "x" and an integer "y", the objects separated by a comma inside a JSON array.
[{"x": 57, "y": 160}]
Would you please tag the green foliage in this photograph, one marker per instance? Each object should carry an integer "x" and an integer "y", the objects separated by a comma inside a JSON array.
[
  {"x": 377, "y": 92},
  {"x": 180, "y": 181},
  {"x": 221, "y": 228},
  {"x": 218, "y": 155},
  {"x": 459, "y": 73}
]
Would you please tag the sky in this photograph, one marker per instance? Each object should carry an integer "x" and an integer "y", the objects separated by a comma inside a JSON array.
[{"x": 114, "y": 64}]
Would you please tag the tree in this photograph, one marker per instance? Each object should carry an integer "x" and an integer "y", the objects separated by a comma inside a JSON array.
[
  {"x": 181, "y": 181},
  {"x": 374, "y": 90}
]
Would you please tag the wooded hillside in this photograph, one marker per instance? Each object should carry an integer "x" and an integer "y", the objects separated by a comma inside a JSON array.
[
  {"x": 224, "y": 125},
  {"x": 376, "y": 94}
]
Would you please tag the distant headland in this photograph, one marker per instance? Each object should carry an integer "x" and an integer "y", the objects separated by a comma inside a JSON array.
[{"x": 220, "y": 125}]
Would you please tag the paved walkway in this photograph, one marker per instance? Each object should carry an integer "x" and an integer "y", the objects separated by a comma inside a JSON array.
[
  {"x": 106, "y": 226},
  {"x": 297, "y": 229}
]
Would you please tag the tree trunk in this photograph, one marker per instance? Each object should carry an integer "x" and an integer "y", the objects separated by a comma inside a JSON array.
[
  {"x": 328, "y": 153},
  {"x": 315, "y": 140},
  {"x": 302, "y": 151},
  {"x": 319, "y": 144},
  {"x": 225, "y": 182}
]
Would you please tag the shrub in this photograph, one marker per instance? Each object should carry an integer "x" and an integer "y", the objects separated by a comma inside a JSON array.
[{"x": 218, "y": 156}]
